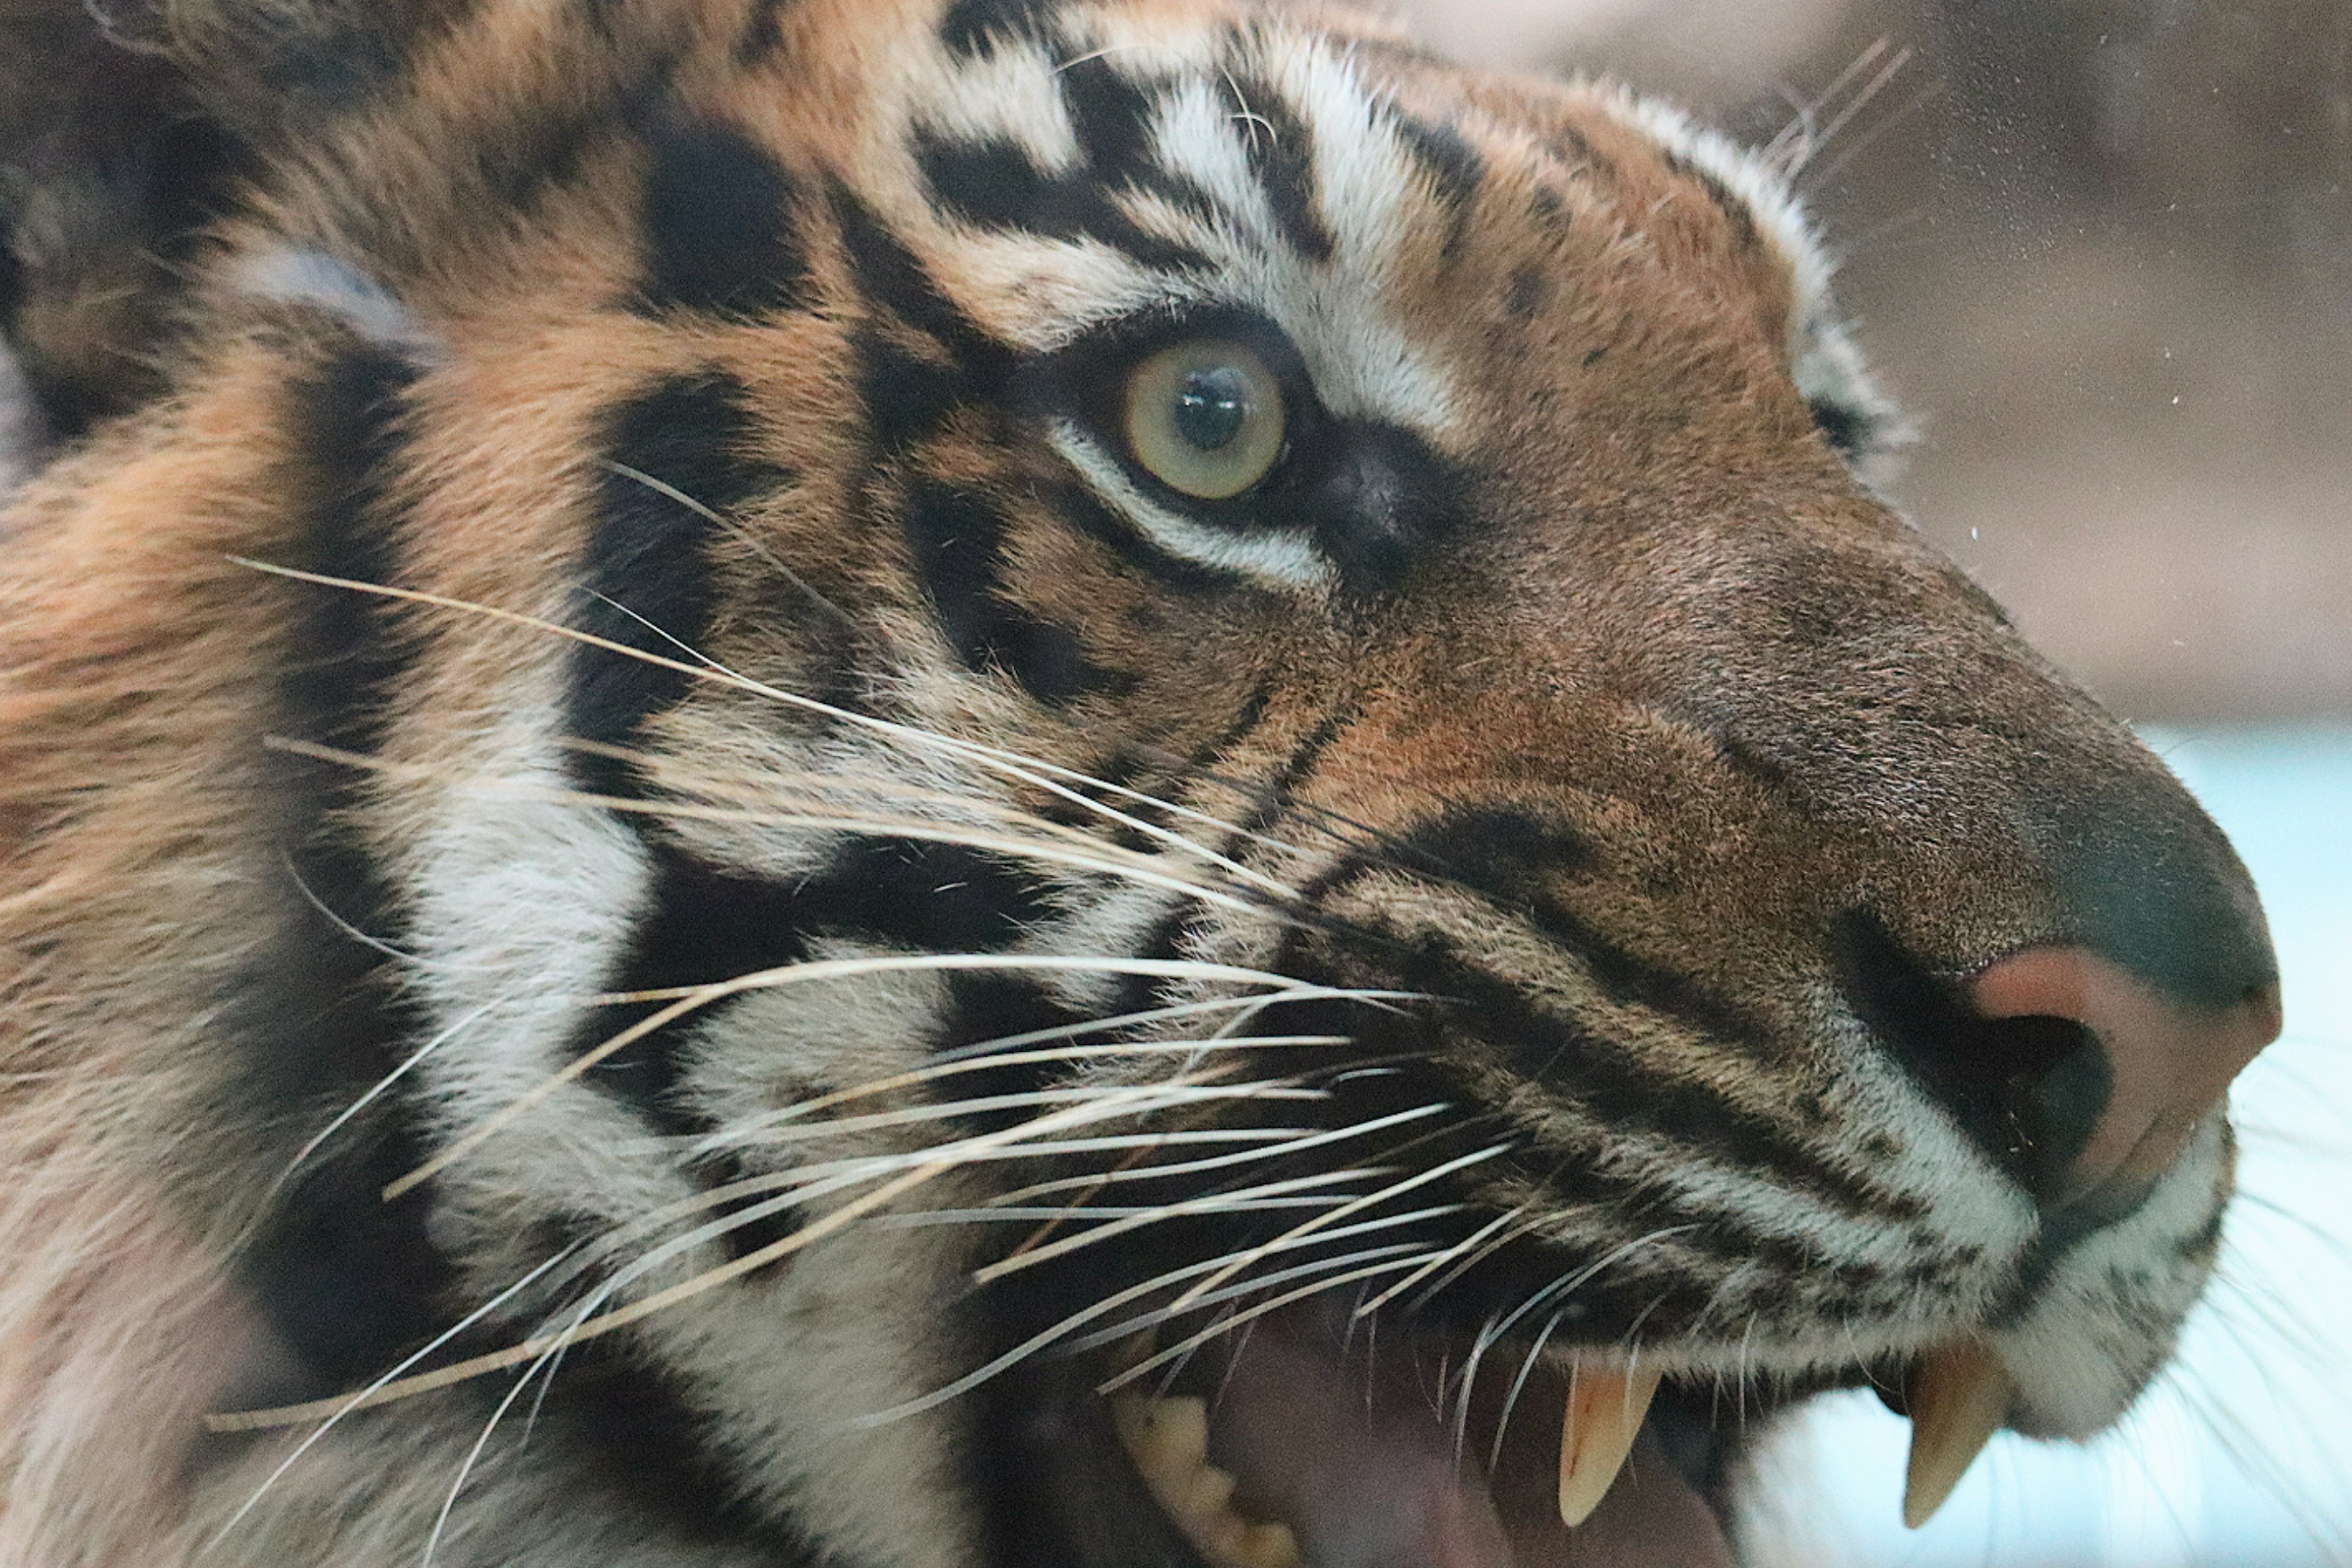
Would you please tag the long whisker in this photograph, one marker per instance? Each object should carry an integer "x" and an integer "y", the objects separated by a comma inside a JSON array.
[
  {"x": 1126, "y": 1328},
  {"x": 742, "y": 535},
  {"x": 544, "y": 1364},
  {"x": 377, "y": 1089},
  {"x": 1061, "y": 1330},
  {"x": 1795, "y": 144},
  {"x": 329, "y": 1413},
  {"x": 1184, "y": 1206},
  {"x": 1187, "y": 1346},
  {"x": 1033, "y": 770},
  {"x": 937, "y": 1163},
  {"x": 701, "y": 997},
  {"x": 1519, "y": 1382},
  {"x": 947, "y": 1110},
  {"x": 1860, "y": 102},
  {"x": 1479, "y": 1251},
  {"x": 1074, "y": 851},
  {"x": 1421, "y": 1178},
  {"x": 1282, "y": 1150},
  {"x": 802, "y": 1110},
  {"x": 1500, "y": 1222}
]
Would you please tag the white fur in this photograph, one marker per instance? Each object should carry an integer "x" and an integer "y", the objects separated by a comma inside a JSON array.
[
  {"x": 1278, "y": 558},
  {"x": 290, "y": 275}
]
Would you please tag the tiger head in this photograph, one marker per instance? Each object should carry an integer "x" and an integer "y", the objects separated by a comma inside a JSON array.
[{"x": 1107, "y": 783}]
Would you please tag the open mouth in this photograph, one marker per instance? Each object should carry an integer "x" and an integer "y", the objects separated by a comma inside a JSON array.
[{"x": 1302, "y": 1444}]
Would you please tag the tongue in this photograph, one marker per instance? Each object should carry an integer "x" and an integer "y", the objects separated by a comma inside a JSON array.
[{"x": 1355, "y": 1454}]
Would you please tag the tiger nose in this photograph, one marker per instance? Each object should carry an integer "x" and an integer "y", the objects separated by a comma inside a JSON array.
[{"x": 2148, "y": 1067}]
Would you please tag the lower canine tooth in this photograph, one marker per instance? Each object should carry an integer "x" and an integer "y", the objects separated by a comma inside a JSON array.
[
  {"x": 1605, "y": 1408},
  {"x": 1958, "y": 1398}
]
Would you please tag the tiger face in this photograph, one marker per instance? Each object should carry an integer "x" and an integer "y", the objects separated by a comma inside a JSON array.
[{"x": 1084, "y": 783}]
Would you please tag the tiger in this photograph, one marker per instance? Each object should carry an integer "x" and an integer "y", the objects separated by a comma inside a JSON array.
[{"x": 956, "y": 783}]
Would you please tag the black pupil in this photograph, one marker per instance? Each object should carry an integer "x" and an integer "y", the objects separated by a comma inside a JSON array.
[{"x": 1211, "y": 407}]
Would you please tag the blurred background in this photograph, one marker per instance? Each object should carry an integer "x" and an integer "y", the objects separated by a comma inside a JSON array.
[{"x": 2103, "y": 249}]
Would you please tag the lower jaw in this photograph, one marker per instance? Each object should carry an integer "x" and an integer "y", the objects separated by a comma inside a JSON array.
[{"x": 1301, "y": 1446}]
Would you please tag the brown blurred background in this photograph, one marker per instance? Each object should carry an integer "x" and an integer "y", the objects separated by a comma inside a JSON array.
[{"x": 2104, "y": 249}]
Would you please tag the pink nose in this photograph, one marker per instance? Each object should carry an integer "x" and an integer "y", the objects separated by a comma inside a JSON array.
[{"x": 2168, "y": 1063}]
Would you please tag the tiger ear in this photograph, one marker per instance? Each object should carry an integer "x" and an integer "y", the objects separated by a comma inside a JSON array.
[{"x": 125, "y": 129}]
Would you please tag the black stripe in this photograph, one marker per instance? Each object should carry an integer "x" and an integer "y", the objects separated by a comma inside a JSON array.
[
  {"x": 704, "y": 924},
  {"x": 890, "y": 278},
  {"x": 984, "y": 1007},
  {"x": 1512, "y": 855},
  {"x": 1570, "y": 146},
  {"x": 347, "y": 1281},
  {"x": 907, "y": 395},
  {"x": 1275, "y": 794},
  {"x": 1551, "y": 211},
  {"x": 909, "y": 390},
  {"x": 521, "y": 160},
  {"x": 1849, "y": 431},
  {"x": 1281, "y": 149},
  {"x": 1733, "y": 208},
  {"x": 1079, "y": 506},
  {"x": 1609, "y": 1083},
  {"x": 647, "y": 581},
  {"x": 1111, "y": 119},
  {"x": 643, "y": 1445},
  {"x": 1423, "y": 1073},
  {"x": 1517, "y": 866},
  {"x": 992, "y": 184},
  {"x": 1455, "y": 171},
  {"x": 956, "y": 538},
  {"x": 719, "y": 224},
  {"x": 763, "y": 34},
  {"x": 970, "y": 25},
  {"x": 1530, "y": 293}
]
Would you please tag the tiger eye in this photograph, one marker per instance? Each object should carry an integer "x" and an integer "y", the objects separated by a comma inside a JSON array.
[{"x": 1205, "y": 417}]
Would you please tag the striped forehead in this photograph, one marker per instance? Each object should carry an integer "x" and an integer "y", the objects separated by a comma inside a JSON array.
[{"x": 1098, "y": 167}]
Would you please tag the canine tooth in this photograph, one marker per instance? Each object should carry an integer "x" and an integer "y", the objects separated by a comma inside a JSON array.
[
  {"x": 1605, "y": 1414},
  {"x": 1958, "y": 1398},
  {"x": 1182, "y": 1427},
  {"x": 1209, "y": 1490},
  {"x": 1168, "y": 1438},
  {"x": 1267, "y": 1546}
]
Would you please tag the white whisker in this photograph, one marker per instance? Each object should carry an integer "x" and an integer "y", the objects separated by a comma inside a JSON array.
[
  {"x": 1419, "y": 1179},
  {"x": 754, "y": 1128},
  {"x": 698, "y": 997},
  {"x": 384, "y": 1083},
  {"x": 1305, "y": 1140},
  {"x": 1186, "y": 1346},
  {"x": 329, "y": 1413},
  {"x": 1468, "y": 1242},
  {"x": 1032, "y": 771},
  {"x": 1060, "y": 1330},
  {"x": 1182, "y": 1206}
]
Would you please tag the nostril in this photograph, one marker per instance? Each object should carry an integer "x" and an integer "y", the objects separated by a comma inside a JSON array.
[
  {"x": 2081, "y": 1078},
  {"x": 2165, "y": 1063},
  {"x": 2055, "y": 1085},
  {"x": 2030, "y": 1087}
]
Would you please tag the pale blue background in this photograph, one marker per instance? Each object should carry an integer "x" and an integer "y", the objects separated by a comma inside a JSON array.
[{"x": 2243, "y": 1458}]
